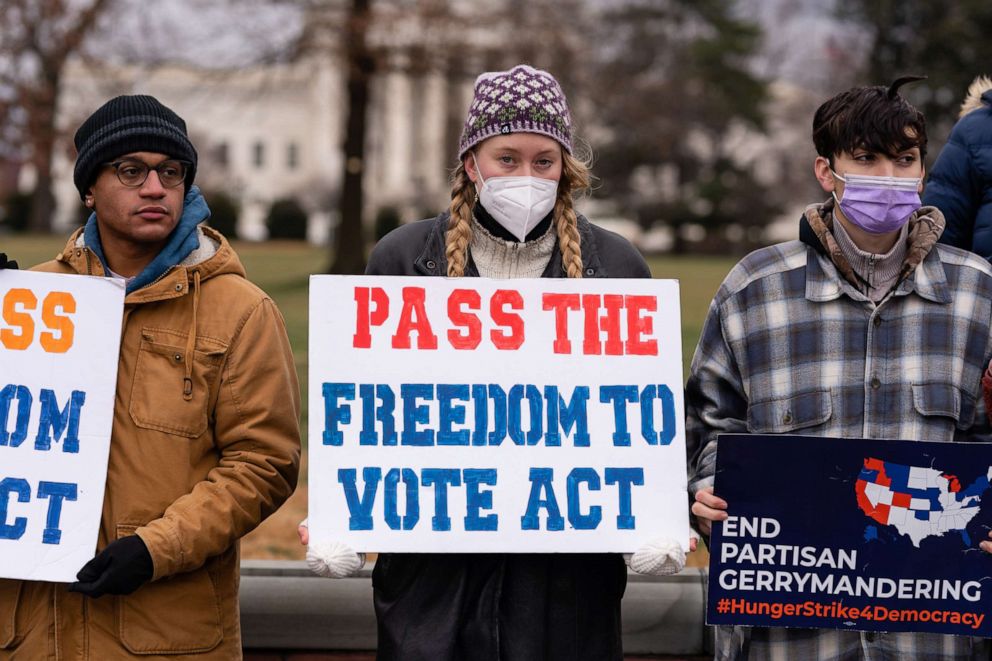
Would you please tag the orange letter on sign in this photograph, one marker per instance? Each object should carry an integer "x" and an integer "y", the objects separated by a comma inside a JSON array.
[
  {"x": 10, "y": 339},
  {"x": 56, "y": 322}
]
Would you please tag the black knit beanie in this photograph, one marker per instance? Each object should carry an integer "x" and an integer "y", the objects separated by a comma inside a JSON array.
[{"x": 127, "y": 124}]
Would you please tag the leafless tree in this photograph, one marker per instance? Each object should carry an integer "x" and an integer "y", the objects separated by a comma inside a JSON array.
[
  {"x": 349, "y": 243},
  {"x": 37, "y": 38}
]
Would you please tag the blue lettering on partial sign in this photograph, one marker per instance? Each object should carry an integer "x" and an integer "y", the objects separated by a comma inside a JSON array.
[
  {"x": 441, "y": 478},
  {"x": 619, "y": 395},
  {"x": 384, "y": 413},
  {"x": 335, "y": 413},
  {"x": 55, "y": 421},
  {"x": 542, "y": 495},
  {"x": 481, "y": 410},
  {"x": 452, "y": 414},
  {"x": 8, "y": 487},
  {"x": 668, "y": 420},
  {"x": 624, "y": 478},
  {"x": 478, "y": 500},
  {"x": 55, "y": 492},
  {"x": 498, "y": 395},
  {"x": 567, "y": 416},
  {"x": 515, "y": 414},
  {"x": 390, "y": 486},
  {"x": 414, "y": 414},
  {"x": 579, "y": 520},
  {"x": 438, "y": 414},
  {"x": 23, "y": 416},
  {"x": 360, "y": 509}
]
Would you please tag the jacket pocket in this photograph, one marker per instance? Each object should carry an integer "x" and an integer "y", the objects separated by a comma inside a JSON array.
[
  {"x": 780, "y": 416},
  {"x": 10, "y": 593},
  {"x": 944, "y": 400},
  {"x": 157, "y": 386},
  {"x": 178, "y": 614}
]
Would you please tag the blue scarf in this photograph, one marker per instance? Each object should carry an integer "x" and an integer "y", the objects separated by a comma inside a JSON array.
[{"x": 182, "y": 241}]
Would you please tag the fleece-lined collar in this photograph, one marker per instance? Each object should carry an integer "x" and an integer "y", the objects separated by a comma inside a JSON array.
[
  {"x": 979, "y": 95},
  {"x": 925, "y": 227}
]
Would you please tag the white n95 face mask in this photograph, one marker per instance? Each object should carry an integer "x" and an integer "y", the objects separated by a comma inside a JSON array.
[{"x": 518, "y": 203}]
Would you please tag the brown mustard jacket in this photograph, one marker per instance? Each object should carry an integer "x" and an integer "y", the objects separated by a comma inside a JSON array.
[{"x": 202, "y": 451}]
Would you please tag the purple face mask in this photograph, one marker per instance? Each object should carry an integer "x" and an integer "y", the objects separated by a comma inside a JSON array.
[{"x": 878, "y": 205}]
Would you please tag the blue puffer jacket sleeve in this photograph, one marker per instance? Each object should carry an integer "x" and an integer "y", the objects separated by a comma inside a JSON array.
[
  {"x": 953, "y": 188},
  {"x": 960, "y": 184}
]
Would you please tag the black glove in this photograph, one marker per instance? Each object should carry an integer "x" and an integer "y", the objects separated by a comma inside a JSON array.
[
  {"x": 121, "y": 568},
  {"x": 5, "y": 263}
]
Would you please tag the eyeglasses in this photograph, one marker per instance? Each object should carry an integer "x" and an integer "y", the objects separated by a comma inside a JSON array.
[{"x": 133, "y": 174}]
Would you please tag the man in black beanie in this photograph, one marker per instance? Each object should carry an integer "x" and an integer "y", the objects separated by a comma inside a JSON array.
[{"x": 205, "y": 441}]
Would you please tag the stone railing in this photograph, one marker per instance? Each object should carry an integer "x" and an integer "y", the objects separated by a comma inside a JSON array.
[{"x": 284, "y": 606}]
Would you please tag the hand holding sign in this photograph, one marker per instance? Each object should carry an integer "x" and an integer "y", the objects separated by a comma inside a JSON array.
[
  {"x": 659, "y": 557},
  {"x": 6, "y": 263},
  {"x": 330, "y": 559},
  {"x": 709, "y": 508},
  {"x": 121, "y": 568}
]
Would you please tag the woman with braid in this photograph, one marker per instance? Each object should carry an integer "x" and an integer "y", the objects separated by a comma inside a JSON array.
[
  {"x": 511, "y": 216},
  {"x": 511, "y": 213}
]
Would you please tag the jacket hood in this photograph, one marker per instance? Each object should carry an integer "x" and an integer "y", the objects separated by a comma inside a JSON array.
[
  {"x": 816, "y": 231},
  {"x": 213, "y": 257},
  {"x": 979, "y": 94}
]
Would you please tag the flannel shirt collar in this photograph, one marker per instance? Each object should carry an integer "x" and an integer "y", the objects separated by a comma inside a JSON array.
[
  {"x": 824, "y": 283},
  {"x": 928, "y": 280}
]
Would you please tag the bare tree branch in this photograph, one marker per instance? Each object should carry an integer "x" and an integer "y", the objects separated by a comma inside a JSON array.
[{"x": 36, "y": 41}]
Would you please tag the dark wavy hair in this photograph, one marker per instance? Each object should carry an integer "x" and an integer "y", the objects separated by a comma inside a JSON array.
[{"x": 873, "y": 118}]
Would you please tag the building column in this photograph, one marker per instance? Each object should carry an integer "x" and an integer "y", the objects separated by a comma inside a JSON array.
[
  {"x": 434, "y": 161},
  {"x": 398, "y": 131}
]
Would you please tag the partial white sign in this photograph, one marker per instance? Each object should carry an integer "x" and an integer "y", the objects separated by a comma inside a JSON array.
[{"x": 59, "y": 342}]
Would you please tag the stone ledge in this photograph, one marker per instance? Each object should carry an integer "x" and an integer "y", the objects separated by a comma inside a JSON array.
[{"x": 285, "y": 607}]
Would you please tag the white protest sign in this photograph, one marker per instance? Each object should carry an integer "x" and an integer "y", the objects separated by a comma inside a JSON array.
[
  {"x": 478, "y": 415},
  {"x": 59, "y": 342}
]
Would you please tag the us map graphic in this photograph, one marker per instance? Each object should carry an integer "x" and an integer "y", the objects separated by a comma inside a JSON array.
[{"x": 918, "y": 502}]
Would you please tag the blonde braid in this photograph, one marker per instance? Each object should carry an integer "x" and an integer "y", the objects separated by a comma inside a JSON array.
[
  {"x": 459, "y": 233},
  {"x": 574, "y": 178}
]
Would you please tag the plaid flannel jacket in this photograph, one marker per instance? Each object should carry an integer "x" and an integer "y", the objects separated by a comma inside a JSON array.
[{"x": 789, "y": 346}]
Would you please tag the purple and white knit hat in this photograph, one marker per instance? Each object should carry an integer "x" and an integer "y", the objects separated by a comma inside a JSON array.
[{"x": 521, "y": 100}]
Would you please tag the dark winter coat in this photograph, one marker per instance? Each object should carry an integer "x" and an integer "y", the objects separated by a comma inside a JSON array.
[
  {"x": 499, "y": 607},
  {"x": 960, "y": 184}
]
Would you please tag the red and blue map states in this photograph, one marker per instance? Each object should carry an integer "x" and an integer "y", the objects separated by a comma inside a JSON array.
[{"x": 918, "y": 502}]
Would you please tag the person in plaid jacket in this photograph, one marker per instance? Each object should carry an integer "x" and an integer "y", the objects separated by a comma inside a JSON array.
[{"x": 865, "y": 327}]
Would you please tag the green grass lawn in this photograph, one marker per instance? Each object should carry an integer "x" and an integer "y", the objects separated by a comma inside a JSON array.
[
  {"x": 699, "y": 278},
  {"x": 283, "y": 268}
]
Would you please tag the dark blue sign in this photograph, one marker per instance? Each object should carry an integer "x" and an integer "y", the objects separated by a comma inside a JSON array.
[{"x": 852, "y": 534}]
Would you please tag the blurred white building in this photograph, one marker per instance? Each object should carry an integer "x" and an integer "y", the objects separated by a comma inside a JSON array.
[
  {"x": 273, "y": 131},
  {"x": 276, "y": 131}
]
